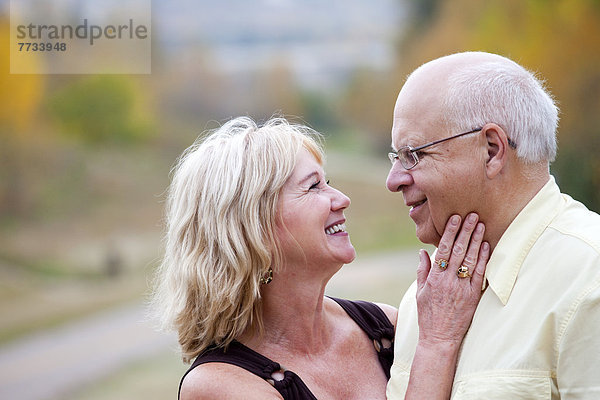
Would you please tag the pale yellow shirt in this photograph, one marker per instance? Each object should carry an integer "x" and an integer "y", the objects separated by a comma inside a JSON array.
[{"x": 536, "y": 331}]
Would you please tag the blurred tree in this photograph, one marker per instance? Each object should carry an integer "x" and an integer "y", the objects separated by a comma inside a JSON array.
[
  {"x": 319, "y": 112},
  {"x": 368, "y": 104},
  {"x": 101, "y": 109},
  {"x": 274, "y": 89},
  {"x": 20, "y": 96},
  {"x": 559, "y": 39},
  {"x": 423, "y": 11},
  {"x": 192, "y": 91}
]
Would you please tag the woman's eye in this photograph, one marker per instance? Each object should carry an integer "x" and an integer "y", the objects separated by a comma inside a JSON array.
[{"x": 318, "y": 184}]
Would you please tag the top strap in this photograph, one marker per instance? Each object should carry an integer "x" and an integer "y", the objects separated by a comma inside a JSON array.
[{"x": 376, "y": 324}]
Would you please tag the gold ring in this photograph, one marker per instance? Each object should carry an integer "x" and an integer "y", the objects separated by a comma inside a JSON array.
[
  {"x": 463, "y": 272},
  {"x": 443, "y": 264}
]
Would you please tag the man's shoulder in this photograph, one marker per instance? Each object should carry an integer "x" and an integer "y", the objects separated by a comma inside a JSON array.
[
  {"x": 409, "y": 299},
  {"x": 579, "y": 223}
]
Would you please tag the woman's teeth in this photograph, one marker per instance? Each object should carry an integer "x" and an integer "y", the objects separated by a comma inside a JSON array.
[{"x": 336, "y": 228}]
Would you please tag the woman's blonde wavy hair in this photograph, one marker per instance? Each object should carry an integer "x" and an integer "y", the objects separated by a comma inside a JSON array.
[{"x": 220, "y": 229}]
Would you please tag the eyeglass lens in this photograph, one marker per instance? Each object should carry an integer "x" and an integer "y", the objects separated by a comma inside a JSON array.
[{"x": 405, "y": 156}]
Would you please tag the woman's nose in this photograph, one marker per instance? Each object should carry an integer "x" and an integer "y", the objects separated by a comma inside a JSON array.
[{"x": 339, "y": 200}]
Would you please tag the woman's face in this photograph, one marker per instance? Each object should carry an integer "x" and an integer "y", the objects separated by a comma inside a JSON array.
[{"x": 311, "y": 224}]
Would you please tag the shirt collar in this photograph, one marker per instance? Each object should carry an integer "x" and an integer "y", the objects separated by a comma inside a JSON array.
[{"x": 518, "y": 239}]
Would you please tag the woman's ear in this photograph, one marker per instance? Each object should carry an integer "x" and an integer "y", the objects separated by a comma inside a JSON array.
[{"x": 497, "y": 146}]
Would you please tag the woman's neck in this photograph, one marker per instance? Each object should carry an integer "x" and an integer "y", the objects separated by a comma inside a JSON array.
[{"x": 295, "y": 316}]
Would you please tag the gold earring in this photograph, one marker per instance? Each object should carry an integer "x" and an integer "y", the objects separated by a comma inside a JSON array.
[{"x": 268, "y": 277}]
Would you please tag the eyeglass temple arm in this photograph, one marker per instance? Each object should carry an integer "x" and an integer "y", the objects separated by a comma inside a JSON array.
[
  {"x": 511, "y": 142},
  {"x": 444, "y": 139}
]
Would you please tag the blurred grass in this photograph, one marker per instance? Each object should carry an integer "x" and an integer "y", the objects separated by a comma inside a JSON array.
[
  {"x": 31, "y": 301},
  {"x": 55, "y": 260},
  {"x": 154, "y": 378}
]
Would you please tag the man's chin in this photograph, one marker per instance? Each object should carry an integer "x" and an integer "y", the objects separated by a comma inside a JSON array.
[{"x": 428, "y": 236}]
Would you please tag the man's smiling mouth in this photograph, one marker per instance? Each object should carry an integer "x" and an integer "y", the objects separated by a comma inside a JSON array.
[{"x": 418, "y": 204}]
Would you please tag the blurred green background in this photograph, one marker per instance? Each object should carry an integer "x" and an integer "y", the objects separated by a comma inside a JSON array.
[{"x": 85, "y": 159}]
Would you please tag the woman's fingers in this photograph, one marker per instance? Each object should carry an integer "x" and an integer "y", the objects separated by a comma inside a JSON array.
[
  {"x": 423, "y": 268},
  {"x": 473, "y": 252},
  {"x": 472, "y": 255},
  {"x": 442, "y": 256},
  {"x": 479, "y": 271},
  {"x": 461, "y": 245}
]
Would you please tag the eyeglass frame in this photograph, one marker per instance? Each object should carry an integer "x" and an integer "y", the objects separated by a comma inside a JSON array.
[{"x": 393, "y": 156}]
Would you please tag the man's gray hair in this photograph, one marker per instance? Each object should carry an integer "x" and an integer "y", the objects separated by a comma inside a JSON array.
[{"x": 507, "y": 94}]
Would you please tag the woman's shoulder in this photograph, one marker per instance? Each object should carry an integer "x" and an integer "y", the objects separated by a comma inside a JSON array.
[
  {"x": 225, "y": 381},
  {"x": 390, "y": 311}
]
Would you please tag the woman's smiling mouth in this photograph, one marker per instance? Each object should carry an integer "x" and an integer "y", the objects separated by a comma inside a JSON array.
[{"x": 333, "y": 229}]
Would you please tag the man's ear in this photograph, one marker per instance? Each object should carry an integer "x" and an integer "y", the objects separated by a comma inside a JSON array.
[{"x": 497, "y": 149}]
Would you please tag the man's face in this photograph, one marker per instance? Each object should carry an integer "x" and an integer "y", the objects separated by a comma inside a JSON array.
[{"x": 449, "y": 176}]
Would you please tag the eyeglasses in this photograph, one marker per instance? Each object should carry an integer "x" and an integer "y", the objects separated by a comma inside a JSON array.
[{"x": 409, "y": 158}]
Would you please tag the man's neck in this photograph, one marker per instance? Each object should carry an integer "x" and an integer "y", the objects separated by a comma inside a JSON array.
[{"x": 507, "y": 201}]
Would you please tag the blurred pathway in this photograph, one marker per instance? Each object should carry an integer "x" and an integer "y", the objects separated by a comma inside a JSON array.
[{"x": 52, "y": 363}]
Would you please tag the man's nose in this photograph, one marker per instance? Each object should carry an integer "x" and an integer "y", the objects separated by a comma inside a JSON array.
[{"x": 398, "y": 177}]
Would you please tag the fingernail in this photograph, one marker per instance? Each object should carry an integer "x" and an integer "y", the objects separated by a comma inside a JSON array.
[
  {"x": 485, "y": 246},
  {"x": 472, "y": 218},
  {"x": 454, "y": 220}
]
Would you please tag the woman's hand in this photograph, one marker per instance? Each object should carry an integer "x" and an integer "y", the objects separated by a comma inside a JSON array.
[{"x": 446, "y": 301}]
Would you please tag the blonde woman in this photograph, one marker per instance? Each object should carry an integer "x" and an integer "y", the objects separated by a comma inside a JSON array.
[{"x": 254, "y": 233}]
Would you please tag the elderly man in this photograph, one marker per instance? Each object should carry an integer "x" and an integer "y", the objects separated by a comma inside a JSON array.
[{"x": 476, "y": 132}]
